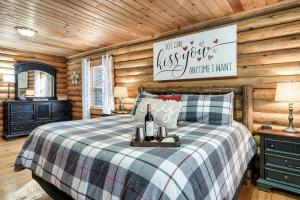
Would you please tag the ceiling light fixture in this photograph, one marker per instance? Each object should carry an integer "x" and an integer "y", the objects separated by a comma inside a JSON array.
[{"x": 26, "y": 32}]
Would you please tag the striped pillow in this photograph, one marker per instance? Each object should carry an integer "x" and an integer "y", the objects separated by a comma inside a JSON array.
[{"x": 208, "y": 109}]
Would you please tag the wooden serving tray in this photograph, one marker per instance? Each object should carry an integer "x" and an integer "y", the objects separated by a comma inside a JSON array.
[{"x": 134, "y": 143}]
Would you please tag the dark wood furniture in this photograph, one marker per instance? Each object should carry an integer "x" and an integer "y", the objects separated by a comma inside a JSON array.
[
  {"x": 279, "y": 160},
  {"x": 134, "y": 143},
  {"x": 21, "y": 117}
]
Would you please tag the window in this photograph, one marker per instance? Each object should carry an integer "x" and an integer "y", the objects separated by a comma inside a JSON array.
[
  {"x": 97, "y": 84},
  {"x": 43, "y": 84}
]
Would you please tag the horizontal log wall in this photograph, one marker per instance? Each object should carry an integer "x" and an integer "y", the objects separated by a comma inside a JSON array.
[
  {"x": 74, "y": 91},
  {"x": 10, "y": 57},
  {"x": 268, "y": 52}
]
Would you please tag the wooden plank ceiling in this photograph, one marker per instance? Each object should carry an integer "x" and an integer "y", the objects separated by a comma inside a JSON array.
[{"x": 68, "y": 27}]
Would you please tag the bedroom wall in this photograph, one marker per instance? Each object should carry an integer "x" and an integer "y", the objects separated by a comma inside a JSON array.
[
  {"x": 9, "y": 57},
  {"x": 268, "y": 52},
  {"x": 74, "y": 91}
]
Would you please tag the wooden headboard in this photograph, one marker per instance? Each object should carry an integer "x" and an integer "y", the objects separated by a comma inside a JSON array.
[{"x": 243, "y": 99}]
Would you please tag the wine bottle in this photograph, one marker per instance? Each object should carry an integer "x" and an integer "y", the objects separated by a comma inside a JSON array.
[{"x": 149, "y": 124}]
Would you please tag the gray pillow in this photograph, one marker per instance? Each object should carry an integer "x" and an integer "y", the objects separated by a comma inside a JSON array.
[{"x": 208, "y": 109}]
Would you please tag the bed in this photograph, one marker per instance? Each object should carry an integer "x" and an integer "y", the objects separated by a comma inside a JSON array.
[{"x": 92, "y": 159}]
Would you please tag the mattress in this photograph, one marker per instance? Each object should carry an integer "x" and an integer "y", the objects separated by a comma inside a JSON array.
[{"x": 92, "y": 159}]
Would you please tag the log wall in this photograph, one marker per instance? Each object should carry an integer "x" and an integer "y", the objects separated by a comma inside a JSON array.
[
  {"x": 268, "y": 52},
  {"x": 74, "y": 92},
  {"x": 10, "y": 57}
]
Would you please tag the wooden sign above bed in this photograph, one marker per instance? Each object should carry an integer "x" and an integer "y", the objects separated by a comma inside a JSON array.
[{"x": 202, "y": 55}]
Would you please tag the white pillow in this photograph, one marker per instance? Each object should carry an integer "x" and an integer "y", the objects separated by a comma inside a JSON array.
[{"x": 165, "y": 113}]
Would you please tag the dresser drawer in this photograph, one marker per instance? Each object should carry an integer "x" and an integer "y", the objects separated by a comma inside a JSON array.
[
  {"x": 56, "y": 115},
  {"x": 61, "y": 106},
  {"x": 22, "y": 107},
  {"x": 283, "y": 177},
  {"x": 23, "y": 128},
  {"x": 22, "y": 117},
  {"x": 283, "y": 161},
  {"x": 284, "y": 146}
]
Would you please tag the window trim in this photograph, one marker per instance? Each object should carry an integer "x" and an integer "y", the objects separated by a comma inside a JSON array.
[{"x": 93, "y": 106}]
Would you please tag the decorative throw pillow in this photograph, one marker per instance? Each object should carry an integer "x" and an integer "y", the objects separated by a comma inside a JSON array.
[
  {"x": 139, "y": 99},
  {"x": 165, "y": 113},
  {"x": 208, "y": 109},
  {"x": 171, "y": 97}
]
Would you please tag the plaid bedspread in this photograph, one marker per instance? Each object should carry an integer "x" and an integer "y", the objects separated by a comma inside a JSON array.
[{"x": 92, "y": 159}]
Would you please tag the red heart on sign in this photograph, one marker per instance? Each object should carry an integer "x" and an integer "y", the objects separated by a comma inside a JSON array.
[
  {"x": 199, "y": 58},
  {"x": 210, "y": 57},
  {"x": 185, "y": 48},
  {"x": 215, "y": 41}
]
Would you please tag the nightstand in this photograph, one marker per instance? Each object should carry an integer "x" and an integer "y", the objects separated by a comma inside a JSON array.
[{"x": 279, "y": 160}]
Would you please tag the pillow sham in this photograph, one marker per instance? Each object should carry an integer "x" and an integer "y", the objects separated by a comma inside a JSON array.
[
  {"x": 171, "y": 97},
  {"x": 139, "y": 99},
  {"x": 165, "y": 113},
  {"x": 208, "y": 109}
]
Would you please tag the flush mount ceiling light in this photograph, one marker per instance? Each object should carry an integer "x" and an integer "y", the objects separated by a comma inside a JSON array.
[{"x": 26, "y": 32}]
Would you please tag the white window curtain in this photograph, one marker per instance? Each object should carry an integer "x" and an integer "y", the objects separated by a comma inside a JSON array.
[
  {"x": 37, "y": 83},
  {"x": 108, "y": 99},
  {"x": 86, "y": 92}
]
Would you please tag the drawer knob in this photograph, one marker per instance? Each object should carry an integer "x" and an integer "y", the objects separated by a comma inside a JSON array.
[
  {"x": 285, "y": 177},
  {"x": 22, "y": 117},
  {"x": 18, "y": 128},
  {"x": 291, "y": 166}
]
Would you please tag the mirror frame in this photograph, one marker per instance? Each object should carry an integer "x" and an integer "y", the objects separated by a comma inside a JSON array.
[{"x": 26, "y": 66}]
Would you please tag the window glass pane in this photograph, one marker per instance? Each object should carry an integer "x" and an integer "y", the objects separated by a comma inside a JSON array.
[
  {"x": 97, "y": 77},
  {"x": 97, "y": 86},
  {"x": 97, "y": 97}
]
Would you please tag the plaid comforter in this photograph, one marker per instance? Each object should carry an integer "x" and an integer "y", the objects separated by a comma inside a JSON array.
[{"x": 92, "y": 159}]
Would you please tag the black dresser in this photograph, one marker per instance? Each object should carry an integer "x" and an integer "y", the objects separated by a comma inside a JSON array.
[
  {"x": 21, "y": 117},
  {"x": 279, "y": 160}
]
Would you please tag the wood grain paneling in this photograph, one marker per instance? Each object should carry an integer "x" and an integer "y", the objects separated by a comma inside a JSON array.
[
  {"x": 268, "y": 52},
  {"x": 74, "y": 92},
  {"x": 74, "y": 26},
  {"x": 14, "y": 56}
]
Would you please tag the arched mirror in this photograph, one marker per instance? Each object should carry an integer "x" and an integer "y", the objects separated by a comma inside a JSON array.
[{"x": 35, "y": 80}]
